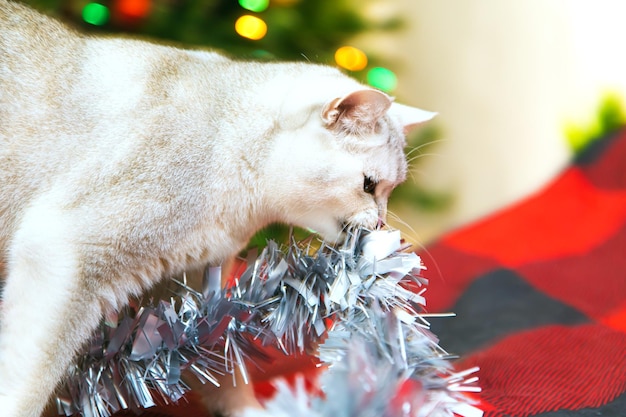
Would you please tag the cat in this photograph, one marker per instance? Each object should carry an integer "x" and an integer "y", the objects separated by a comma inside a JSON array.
[{"x": 124, "y": 162}]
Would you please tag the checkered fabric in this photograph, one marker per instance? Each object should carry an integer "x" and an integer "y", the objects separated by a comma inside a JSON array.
[{"x": 540, "y": 294}]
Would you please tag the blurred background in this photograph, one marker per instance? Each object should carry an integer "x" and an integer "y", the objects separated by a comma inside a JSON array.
[{"x": 520, "y": 87}]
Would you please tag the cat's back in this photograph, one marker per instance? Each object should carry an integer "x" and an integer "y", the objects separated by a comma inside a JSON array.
[
  {"x": 38, "y": 55},
  {"x": 15, "y": 16},
  {"x": 78, "y": 112},
  {"x": 56, "y": 87},
  {"x": 28, "y": 38}
]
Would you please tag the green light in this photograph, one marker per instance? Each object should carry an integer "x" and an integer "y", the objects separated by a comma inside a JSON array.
[
  {"x": 95, "y": 14},
  {"x": 262, "y": 54},
  {"x": 382, "y": 78},
  {"x": 254, "y": 5}
]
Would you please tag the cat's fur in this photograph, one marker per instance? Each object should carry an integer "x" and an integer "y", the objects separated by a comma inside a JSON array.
[{"x": 122, "y": 162}]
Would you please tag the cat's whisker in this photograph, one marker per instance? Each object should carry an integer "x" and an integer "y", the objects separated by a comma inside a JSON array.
[
  {"x": 413, "y": 235},
  {"x": 415, "y": 239},
  {"x": 423, "y": 155},
  {"x": 424, "y": 145},
  {"x": 412, "y": 168},
  {"x": 415, "y": 172},
  {"x": 416, "y": 153}
]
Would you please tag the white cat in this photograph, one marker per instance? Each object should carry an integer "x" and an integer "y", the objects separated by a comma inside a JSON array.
[{"x": 123, "y": 162}]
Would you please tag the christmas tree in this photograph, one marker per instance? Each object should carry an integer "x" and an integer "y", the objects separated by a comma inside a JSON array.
[
  {"x": 318, "y": 31},
  {"x": 315, "y": 30}
]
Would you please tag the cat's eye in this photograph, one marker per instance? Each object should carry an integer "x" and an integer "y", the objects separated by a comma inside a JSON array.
[{"x": 369, "y": 185}]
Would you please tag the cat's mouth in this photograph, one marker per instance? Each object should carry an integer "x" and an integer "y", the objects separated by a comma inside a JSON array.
[
  {"x": 338, "y": 233},
  {"x": 349, "y": 226},
  {"x": 368, "y": 219},
  {"x": 336, "y": 230}
]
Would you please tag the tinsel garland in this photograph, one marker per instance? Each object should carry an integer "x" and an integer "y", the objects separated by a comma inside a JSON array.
[{"x": 361, "y": 296}]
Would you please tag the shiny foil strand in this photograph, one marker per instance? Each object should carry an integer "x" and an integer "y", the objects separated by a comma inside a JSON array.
[{"x": 365, "y": 296}]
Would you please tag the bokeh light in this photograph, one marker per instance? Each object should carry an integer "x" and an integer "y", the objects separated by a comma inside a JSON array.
[
  {"x": 262, "y": 54},
  {"x": 134, "y": 9},
  {"x": 254, "y": 5},
  {"x": 382, "y": 78},
  {"x": 251, "y": 27},
  {"x": 351, "y": 58},
  {"x": 96, "y": 14}
]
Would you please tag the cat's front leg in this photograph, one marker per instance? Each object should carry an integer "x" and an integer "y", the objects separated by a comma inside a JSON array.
[
  {"x": 46, "y": 313},
  {"x": 233, "y": 398}
]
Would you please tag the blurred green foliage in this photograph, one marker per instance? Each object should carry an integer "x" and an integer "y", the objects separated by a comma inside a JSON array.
[
  {"x": 297, "y": 29},
  {"x": 610, "y": 116},
  {"x": 422, "y": 144}
]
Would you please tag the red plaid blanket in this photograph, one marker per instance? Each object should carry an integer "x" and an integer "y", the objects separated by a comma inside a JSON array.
[{"x": 540, "y": 294}]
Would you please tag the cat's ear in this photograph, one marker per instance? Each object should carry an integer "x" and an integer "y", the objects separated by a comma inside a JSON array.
[
  {"x": 410, "y": 117},
  {"x": 358, "y": 111}
]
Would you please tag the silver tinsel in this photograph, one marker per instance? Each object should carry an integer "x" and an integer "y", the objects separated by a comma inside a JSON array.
[{"x": 364, "y": 296}]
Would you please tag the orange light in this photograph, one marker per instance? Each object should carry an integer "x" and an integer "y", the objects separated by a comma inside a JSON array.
[
  {"x": 351, "y": 58},
  {"x": 251, "y": 27}
]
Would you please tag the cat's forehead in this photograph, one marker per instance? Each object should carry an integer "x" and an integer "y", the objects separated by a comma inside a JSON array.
[
  {"x": 383, "y": 153},
  {"x": 395, "y": 129},
  {"x": 386, "y": 136}
]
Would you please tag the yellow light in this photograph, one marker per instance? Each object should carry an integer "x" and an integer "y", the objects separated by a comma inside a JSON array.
[
  {"x": 251, "y": 27},
  {"x": 351, "y": 58}
]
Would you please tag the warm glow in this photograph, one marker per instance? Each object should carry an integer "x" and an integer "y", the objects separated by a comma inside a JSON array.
[
  {"x": 135, "y": 9},
  {"x": 251, "y": 27},
  {"x": 351, "y": 58}
]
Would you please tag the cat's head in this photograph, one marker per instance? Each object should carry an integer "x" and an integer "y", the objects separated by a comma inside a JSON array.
[{"x": 339, "y": 168}]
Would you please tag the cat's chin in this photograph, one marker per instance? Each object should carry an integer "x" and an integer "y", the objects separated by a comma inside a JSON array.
[
  {"x": 331, "y": 232},
  {"x": 340, "y": 232},
  {"x": 367, "y": 219},
  {"x": 337, "y": 232},
  {"x": 334, "y": 238}
]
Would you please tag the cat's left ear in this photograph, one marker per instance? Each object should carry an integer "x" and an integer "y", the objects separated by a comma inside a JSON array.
[
  {"x": 358, "y": 111},
  {"x": 410, "y": 117}
]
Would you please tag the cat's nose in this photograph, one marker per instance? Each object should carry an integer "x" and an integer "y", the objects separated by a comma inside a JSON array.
[
  {"x": 381, "y": 196},
  {"x": 382, "y": 213},
  {"x": 383, "y": 190}
]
